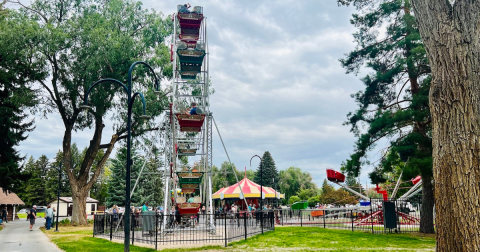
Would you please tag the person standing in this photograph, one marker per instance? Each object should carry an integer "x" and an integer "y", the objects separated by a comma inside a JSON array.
[
  {"x": 49, "y": 216},
  {"x": 32, "y": 216},
  {"x": 4, "y": 215}
]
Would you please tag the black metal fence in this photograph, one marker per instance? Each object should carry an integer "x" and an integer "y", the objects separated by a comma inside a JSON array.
[
  {"x": 208, "y": 229},
  {"x": 398, "y": 216}
]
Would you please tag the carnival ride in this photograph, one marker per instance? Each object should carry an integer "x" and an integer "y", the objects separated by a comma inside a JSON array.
[
  {"x": 188, "y": 137},
  {"x": 247, "y": 192},
  {"x": 377, "y": 217}
]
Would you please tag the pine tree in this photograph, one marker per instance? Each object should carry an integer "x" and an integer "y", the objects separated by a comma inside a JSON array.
[
  {"x": 394, "y": 104},
  {"x": 116, "y": 184},
  {"x": 269, "y": 171}
]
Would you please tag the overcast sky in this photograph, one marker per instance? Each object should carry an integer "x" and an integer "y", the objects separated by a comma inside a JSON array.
[{"x": 279, "y": 86}]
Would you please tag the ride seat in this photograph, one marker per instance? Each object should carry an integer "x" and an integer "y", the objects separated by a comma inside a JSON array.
[
  {"x": 197, "y": 199},
  {"x": 190, "y": 123}
]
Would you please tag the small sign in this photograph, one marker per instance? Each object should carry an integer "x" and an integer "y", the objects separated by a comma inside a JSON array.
[
  {"x": 221, "y": 196},
  {"x": 263, "y": 195},
  {"x": 241, "y": 195}
]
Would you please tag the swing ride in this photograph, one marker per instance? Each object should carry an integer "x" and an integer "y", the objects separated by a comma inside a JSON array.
[{"x": 378, "y": 217}]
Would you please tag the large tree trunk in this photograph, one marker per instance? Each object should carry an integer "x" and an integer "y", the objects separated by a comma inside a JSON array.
[
  {"x": 426, "y": 211},
  {"x": 80, "y": 183},
  {"x": 79, "y": 198},
  {"x": 451, "y": 36}
]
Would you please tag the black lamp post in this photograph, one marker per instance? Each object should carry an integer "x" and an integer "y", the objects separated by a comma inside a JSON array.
[
  {"x": 58, "y": 194},
  {"x": 261, "y": 190},
  {"x": 130, "y": 99}
]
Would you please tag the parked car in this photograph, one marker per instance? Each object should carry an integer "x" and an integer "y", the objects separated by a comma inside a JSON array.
[
  {"x": 22, "y": 211},
  {"x": 41, "y": 209}
]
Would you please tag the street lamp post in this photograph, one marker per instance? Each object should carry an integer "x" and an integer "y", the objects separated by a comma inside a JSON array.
[
  {"x": 261, "y": 190},
  {"x": 130, "y": 99},
  {"x": 58, "y": 194}
]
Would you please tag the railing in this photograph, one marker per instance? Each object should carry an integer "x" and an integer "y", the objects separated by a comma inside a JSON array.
[
  {"x": 208, "y": 229},
  {"x": 395, "y": 216}
]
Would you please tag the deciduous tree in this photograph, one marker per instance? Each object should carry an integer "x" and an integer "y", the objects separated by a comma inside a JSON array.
[
  {"x": 82, "y": 42},
  {"x": 450, "y": 32}
]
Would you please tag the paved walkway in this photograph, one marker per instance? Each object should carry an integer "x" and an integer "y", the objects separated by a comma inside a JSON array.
[{"x": 16, "y": 237}]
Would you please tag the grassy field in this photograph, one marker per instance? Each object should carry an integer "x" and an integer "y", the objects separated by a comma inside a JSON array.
[
  {"x": 283, "y": 239},
  {"x": 1, "y": 227},
  {"x": 24, "y": 215}
]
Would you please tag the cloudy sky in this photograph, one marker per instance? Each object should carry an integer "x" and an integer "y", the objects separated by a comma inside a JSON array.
[{"x": 279, "y": 86}]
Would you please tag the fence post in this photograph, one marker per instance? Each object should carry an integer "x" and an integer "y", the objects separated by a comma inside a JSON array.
[
  {"x": 324, "y": 213},
  {"x": 94, "y": 226},
  {"x": 281, "y": 215},
  {"x": 371, "y": 214},
  {"x": 156, "y": 230},
  {"x": 301, "y": 222},
  {"x": 111, "y": 226},
  {"x": 225, "y": 223},
  {"x": 351, "y": 216},
  {"x": 245, "y": 223}
]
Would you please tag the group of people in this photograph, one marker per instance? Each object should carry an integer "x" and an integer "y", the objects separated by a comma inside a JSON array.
[{"x": 49, "y": 215}]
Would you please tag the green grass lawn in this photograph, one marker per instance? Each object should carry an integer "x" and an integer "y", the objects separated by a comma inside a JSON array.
[
  {"x": 282, "y": 239},
  {"x": 1, "y": 227},
  {"x": 24, "y": 215}
]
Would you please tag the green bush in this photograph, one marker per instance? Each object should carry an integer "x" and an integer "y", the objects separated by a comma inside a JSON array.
[
  {"x": 293, "y": 199},
  {"x": 64, "y": 222},
  {"x": 313, "y": 201}
]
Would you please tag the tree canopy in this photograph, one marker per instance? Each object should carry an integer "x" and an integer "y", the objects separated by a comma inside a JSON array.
[{"x": 293, "y": 180}]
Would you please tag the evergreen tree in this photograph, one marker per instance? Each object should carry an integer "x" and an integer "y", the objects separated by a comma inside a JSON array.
[
  {"x": 35, "y": 190},
  {"x": 18, "y": 71},
  {"x": 394, "y": 104},
  {"x": 116, "y": 185},
  {"x": 269, "y": 171}
]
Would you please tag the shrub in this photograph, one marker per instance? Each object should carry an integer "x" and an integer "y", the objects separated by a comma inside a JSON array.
[{"x": 293, "y": 199}]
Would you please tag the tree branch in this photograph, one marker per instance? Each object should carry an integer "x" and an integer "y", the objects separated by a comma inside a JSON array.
[
  {"x": 133, "y": 133},
  {"x": 33, "y": 10}
]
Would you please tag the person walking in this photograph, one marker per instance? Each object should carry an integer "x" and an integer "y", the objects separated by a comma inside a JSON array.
[
  {"x": 4, "y": 215},
  {"x": 32, "y": 216},
  {"x": 49, "y": 216}
]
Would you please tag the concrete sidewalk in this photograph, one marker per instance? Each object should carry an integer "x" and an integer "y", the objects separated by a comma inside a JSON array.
[{"x": 16, "y": 237}]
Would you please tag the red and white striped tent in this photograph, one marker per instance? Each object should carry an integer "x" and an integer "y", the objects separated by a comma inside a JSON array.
[{"x": 250, "y": 190}]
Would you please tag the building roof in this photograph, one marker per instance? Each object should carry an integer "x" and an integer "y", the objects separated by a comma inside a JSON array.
[
  {"x": 250, "y": 190},
  {"x": 10, "y": 198},
  {"x": 70, "y": 200}
]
